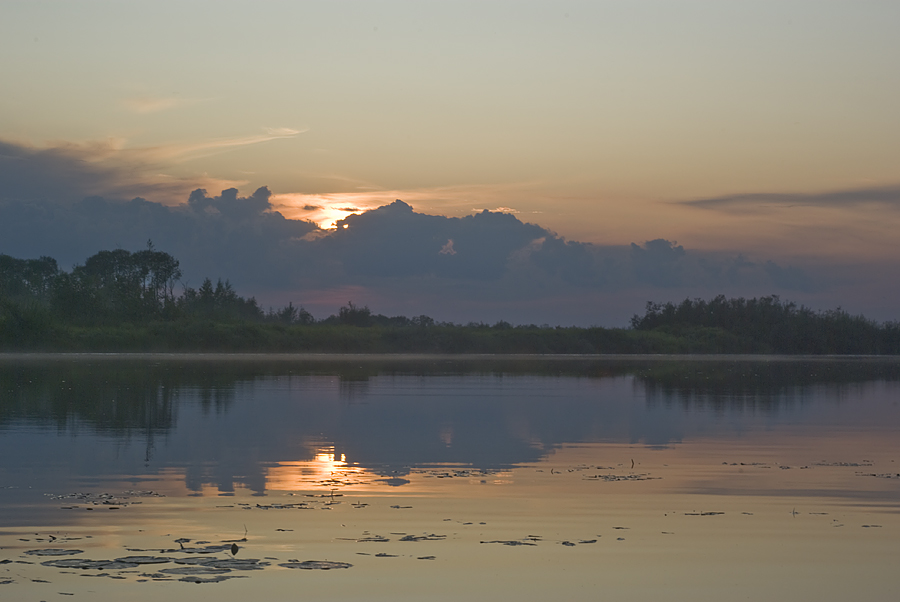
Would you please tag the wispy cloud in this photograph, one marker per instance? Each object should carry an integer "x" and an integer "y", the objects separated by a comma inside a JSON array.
[
  {"x": 67, "y": 170},
  {"x": 144, "y": 104},
  {"x": 886, "y": 196},
  {"x": 179, "y": 152}
]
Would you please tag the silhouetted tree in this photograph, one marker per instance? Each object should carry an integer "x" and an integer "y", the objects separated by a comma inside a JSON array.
[
  {"x": 219, "y": 303},
  {"x": 352, "y": 315}
]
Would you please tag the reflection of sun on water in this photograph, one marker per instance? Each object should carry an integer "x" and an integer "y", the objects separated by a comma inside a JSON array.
[{"x": 325, "y": 469}]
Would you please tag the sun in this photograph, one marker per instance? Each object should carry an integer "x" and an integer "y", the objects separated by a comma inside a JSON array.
[{"x": 325, "y": 210}]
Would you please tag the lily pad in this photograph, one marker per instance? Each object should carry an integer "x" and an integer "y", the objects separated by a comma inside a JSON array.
[
  {"x": 206, "y": 550},
  {"x": 431, "y": 537},
  {"x": 322, "y": 565},
  {"x": 84, "y": 563},
  {"x": 145, "y": 559},
  {"x": 54, "y": 552},
  {"x": 237, "y": 564},
  {"x": 216, "y": 579},
  {"x": 195, "y": 570}
]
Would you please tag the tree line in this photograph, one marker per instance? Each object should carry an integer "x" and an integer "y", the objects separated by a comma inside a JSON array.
[
  {"x": 113, "y": 287},
  {"x": 134, "y": 301},
  {"x": 770, "y": 325}
]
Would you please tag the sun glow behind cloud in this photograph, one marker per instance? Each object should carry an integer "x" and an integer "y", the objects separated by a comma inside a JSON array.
[{"x": 326, "y": 209}]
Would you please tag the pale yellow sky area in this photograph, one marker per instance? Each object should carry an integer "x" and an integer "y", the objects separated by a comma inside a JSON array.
[{"x": 597, "y": 120}]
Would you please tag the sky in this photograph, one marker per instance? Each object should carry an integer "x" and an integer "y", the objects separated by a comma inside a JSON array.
[{"x": 624, "y": 152}]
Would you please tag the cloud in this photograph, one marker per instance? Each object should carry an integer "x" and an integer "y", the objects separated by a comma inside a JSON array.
[
  {"x": 487, "y": 266},
  {"x": 284, "y": 132},
  {"x": 494, "y": 258},
  {"x": 395, "y": 241},
  {"x": 447, "y": 249},
  {"x": 68, "y": 171},
  {"x": 324, "y": 209},
  {"x": 361, "y": 196},
  {"x": 144, "y": 104},
  {"x": 658, "y": 262},
  {"x": 887, "y": 196},
  {"x": 195, "y": 150},
  {"x": 225, "y": 236},
  {"x": 790, "y": 278}
]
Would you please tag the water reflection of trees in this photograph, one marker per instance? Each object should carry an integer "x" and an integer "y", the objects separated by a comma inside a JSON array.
[
  {"x": 756, "y": 385},
  {"x": 439, "y": 411},
  {"x": 116, "y": 398},
  {"x": 124, "y": 396}
]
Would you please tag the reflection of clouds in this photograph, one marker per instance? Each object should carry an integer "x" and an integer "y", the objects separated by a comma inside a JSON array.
[{"x": 295, "y": 432}]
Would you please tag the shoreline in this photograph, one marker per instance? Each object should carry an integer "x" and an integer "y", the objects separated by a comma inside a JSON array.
[{"x": 205, "y": 356}]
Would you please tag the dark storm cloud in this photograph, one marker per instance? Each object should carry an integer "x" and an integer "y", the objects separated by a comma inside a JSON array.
[
  {"x": 59, "y": 173},
  {"x": 790, "y": 278},
  {"x": 500, "y": 251},
  {"x": 70, "y": 172},
  {"x": 68, "y": 201},
  {"x": 491, "y": 266},
  {"x": 395, "y": 241},
  {"x": 486, "y": 255},
  {"x": 886, "y": 196},
  {"x": 658, "y": 262},
  {"x": 411, "y": 262},
  {"x": 211, "y": 236},
  {"x": 230, "y": 206}
]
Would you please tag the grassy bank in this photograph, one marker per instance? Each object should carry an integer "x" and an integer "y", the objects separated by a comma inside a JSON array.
[{"x": 209, "y": 336}]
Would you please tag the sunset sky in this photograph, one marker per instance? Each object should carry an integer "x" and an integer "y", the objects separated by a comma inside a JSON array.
[{"x": 661, "y": 150}]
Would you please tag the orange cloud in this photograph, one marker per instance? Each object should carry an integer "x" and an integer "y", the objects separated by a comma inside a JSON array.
[{"x": 325, "y": 209}]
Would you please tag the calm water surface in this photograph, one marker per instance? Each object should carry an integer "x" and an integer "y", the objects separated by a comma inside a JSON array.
[{"x": 438, "y": 478}]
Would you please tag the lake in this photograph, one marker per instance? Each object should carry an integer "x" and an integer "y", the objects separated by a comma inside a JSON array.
[{"x": 441, "y": 478}]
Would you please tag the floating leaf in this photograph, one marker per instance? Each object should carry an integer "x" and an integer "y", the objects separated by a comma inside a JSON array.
[
  {"x": 322, "y": 565},
  {"x": 84, "y": 563},
  {"x": 54, "y": 552},
  {"x": 195, "y": 570},
  {"x": 145, "y": 559},
  {"x": 216, "y": 579}
]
